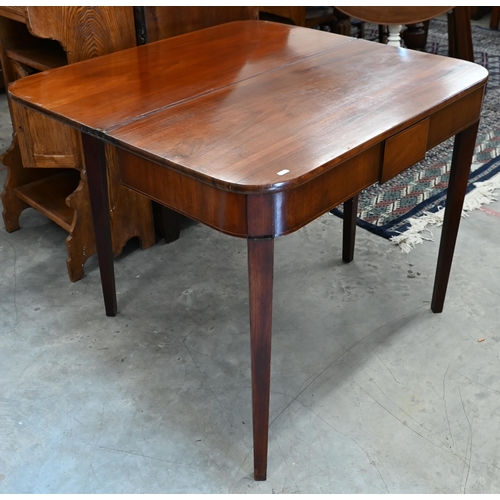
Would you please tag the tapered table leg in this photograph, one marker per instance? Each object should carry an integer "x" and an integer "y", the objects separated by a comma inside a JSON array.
[
  {"x": 349, "y": 228},
  {"x": 459, "y": 176},
  {"x": 95, "y": 164},
  {"x": 260, "y": 277}
]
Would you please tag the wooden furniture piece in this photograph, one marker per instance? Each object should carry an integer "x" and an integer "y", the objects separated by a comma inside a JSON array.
[
  {"x": 160, "y": 22},
  {"x": 301, "y": 16},
  {"x": 459, "y": 29},
  {"x": 394, "y": 17},
  {"x": 45, "y": 161},
  {"x": 478, "y": 12},
  {"x": 460, "y": 34},
  {"x": 256, "y": 129},
  {"x": 495, "y": 17}
]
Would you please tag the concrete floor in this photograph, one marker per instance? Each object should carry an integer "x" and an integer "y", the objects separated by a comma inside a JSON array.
[{"x": 370, "y": 391}]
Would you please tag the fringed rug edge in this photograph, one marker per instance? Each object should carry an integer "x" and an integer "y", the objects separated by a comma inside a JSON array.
[{"x": 418, "y": 231}]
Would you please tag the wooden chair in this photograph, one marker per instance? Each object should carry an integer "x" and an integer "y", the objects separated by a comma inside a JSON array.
[{"x": 459, "y": 30}]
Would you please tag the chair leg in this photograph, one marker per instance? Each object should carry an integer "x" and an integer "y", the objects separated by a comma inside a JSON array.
[
  {"x": 349, "y": 228},
  {"x": 495, "y": 17},
  {"x": 167, "y": 223},
  {"x": 460, "y": 34},
  {"x": 382, "y": 33}
]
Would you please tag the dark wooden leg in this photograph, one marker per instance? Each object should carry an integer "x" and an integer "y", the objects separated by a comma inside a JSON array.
[
  {"x": 495, "y": 15},
  {"x": 459, "y": 176},
  {"x": 167, "y": 223},
  {"x": 415, "y": 35},
  {"x": 460, "y": 34},
  {"x": 95, "y": 164},
  {"x": 349, "y": 228},
  {"x": 382, "y": 33},
  {"x": 260, "y": 277}
]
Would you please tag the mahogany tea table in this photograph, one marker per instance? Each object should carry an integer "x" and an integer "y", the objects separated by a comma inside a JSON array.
[{"x": 256, "y": 129}]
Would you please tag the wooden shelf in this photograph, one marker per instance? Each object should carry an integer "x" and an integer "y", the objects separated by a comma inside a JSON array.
[
  {"x": 46, "y": 54},
  {"x": 45, "y": 159},
  {"x": 15, "y": 13},
  {"x": 48, "y": 196}
]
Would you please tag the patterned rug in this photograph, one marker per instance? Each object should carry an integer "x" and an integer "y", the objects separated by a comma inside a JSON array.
[{"x": 408, "y": 203}]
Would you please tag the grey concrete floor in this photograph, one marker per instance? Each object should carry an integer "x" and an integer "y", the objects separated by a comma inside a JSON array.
[{"x": 371, "y": 392}]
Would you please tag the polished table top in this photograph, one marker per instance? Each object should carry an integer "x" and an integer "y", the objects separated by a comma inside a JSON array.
[
  {"x": 236, "y": 105},
  {"x": 256, "y": 129}
]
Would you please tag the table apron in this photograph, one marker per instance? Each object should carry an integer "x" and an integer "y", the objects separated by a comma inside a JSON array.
[
  {"x": 455, "y": 117},
  {"x": 222, "y": 210},
  {"x": 235, "y": 213}
]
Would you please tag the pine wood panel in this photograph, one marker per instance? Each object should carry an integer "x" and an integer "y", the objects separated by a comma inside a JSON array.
[
  {"x": 164, "y": 22},
  {"x": 15, "y": 13},
  {"x": 49, "y": 195},
  {"x": 84, "y": 32},
  {"x": 40, "y": 38},
  {"x": 45, "y": 143}
]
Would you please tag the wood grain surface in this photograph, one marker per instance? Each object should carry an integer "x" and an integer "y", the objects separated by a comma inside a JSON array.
[{"x": 260, "y": 98}]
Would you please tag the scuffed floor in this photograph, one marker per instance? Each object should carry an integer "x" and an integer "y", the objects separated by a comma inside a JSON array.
[{"x": 371, "y": 392}]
